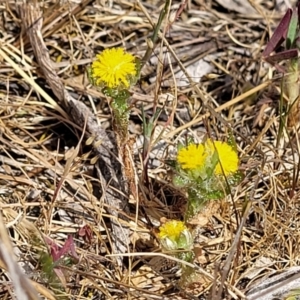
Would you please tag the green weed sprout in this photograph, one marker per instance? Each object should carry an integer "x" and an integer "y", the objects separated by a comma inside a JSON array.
[
  {"x": 176, "y": 238},
  {"x": 287, "y": 34},
  {"x": 51, "y": 263},
  {"x": 115, "y": 71},
  {"x": 207, "y": 171}
]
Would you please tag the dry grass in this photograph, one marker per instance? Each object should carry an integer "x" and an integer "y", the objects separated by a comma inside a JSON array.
[{"x": 50, "y": 188}]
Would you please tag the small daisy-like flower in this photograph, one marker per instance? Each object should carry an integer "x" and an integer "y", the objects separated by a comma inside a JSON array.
[
  {"x": 228, "y": 158},
  {"x": 192, "y": 157},
  {"x": 171, "y": 229},
  {"x": 113, "y": 68},
  {"x": 175, "y": 235}
]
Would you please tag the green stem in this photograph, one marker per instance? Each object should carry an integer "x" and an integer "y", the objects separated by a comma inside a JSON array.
[
  {"x": 194, "y": 205},
  {"x": 282, "y": 115},
  {"x": 121, "y": 117},
  {"x": 292, "y": 84},
  {"x": 154, "y": 37},
  {"x": 120, "y": 109}
]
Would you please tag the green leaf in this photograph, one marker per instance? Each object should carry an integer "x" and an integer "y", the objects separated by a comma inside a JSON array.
[
  {"x": 292, "y": 31},
  {"x": 294, "y": 295},
  {"x": 90, "y": 76},
  {"x": 180, "y": 181},
  {"x": 212, "y": 164}
]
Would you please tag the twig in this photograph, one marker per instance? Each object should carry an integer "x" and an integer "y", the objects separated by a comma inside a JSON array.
[
  {"x": 23, "y": 288},
  {"x": 230, "y": 257},
  {"x": 154, "y": 37},
  {"x": 109, "y": 167}
]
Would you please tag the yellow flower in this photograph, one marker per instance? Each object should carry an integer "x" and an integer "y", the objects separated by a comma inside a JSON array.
[
  {"x": 192, "y": 157},
  {"x": 195, "y": 157},
  {"x": 172, "y": 230},
  {"x": 174, "y": 235},
  {"x": 227, "y": 157},
  {"x": 113, "y": 68}
]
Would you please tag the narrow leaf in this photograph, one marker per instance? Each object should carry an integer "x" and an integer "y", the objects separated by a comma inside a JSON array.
[
  {"x": 279, "y": 34},
  {"x": 284, "y": 55},
  {"x": 292, "y": 31}
]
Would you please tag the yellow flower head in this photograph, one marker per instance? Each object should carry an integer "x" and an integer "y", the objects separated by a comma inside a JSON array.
[
  {"x": 172, "y": 230},
  {"x": 113, "y": 68},
  {"x": 228, "y": 158},
  {"x": 192, "y": 157},
  {"x": 195, "y": 157},
  {"x": 175, "y": 235}
]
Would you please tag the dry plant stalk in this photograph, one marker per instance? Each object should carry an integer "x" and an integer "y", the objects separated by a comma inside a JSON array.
[
  {"x": 109, "y": 168},
  {"x": 23, "y": 287},
  {"x": 294, "y": 113}
]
